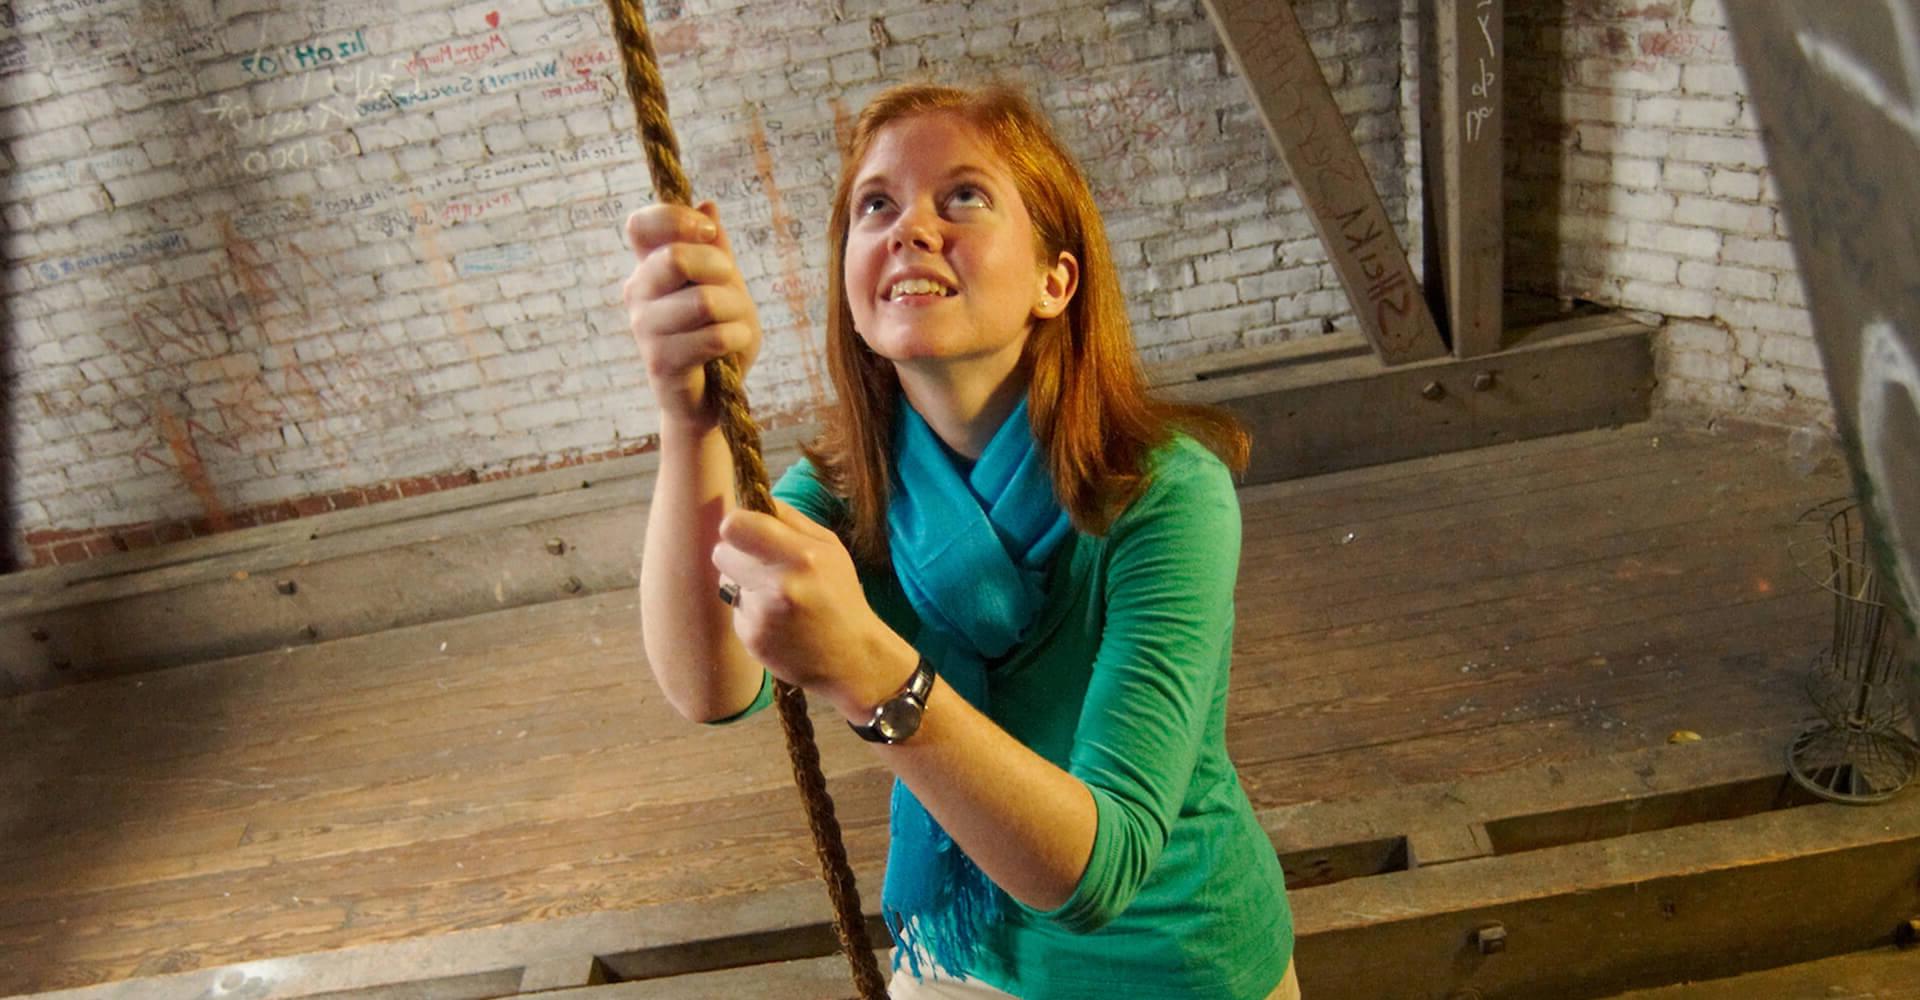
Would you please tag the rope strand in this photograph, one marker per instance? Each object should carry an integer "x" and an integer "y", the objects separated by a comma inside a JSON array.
[{"x": 729, "y": 396}]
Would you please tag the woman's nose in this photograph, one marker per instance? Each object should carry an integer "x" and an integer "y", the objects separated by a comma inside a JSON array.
[{"x": 917, "y": 231}]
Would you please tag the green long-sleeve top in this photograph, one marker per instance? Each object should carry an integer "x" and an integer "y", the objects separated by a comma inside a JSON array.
[{"x": 1122, "y": 682}]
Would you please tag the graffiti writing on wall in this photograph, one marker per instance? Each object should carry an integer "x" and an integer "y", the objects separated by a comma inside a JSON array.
[
  {"x": 305, "y": 56},
  {"x": 1119, "y": 124}
]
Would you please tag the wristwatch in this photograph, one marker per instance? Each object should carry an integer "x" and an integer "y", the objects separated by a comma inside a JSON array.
[{"x": 898, "y": 717}]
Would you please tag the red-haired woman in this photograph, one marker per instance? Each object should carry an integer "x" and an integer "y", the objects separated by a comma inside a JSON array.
[{"x": 1006, "y": 565}]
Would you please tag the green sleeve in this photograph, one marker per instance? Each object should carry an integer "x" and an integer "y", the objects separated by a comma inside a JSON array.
[
  {"x": 801, "y": 488},
  {"x": 1168, "y": 586}
]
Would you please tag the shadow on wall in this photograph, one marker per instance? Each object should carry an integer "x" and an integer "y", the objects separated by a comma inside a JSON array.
[
  {"x": 1539, "y": 140},
  {"x": 12, "y": 547},
  {"x": 87, "y": 762}
]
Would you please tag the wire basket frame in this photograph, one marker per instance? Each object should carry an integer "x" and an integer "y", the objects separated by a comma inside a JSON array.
[{"x": 1857, "y": 753}]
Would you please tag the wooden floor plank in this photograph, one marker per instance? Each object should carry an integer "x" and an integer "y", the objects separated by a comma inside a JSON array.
[
  {"x": 1880, "y": 974},
  {"x": 1546, "y": 601}
]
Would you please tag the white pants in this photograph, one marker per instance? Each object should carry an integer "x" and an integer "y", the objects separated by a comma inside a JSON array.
[{"x": 905, "y": 987}]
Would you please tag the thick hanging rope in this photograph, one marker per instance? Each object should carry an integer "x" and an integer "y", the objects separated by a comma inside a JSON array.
[{"x": 742, "y": 435}]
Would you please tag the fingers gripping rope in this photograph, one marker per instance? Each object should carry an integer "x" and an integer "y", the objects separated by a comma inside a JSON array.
[{"x": 742, "y": 435}]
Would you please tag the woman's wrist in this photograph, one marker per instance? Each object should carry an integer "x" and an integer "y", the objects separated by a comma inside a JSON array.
[
  {"x": 690, "y": 428},
  {"x": 887, "y": 661}
]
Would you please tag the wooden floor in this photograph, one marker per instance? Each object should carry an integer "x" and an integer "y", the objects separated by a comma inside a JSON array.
[{"x": 1462, "y": 615}]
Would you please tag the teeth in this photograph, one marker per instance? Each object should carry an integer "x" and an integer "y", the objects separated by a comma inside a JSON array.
[{"x": 916, "y": 286}]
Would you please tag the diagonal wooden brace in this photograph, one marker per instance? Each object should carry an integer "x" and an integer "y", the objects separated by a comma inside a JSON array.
[{"x": 1271, "y": 51}]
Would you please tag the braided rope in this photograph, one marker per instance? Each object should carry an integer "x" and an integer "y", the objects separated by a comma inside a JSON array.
[{"x": 742, "y": 435}]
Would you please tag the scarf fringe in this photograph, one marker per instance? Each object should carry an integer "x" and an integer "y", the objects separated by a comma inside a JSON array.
[{"x": 945, "y": 938}]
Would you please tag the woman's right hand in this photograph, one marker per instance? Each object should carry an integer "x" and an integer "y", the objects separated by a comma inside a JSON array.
[{"x": 687, "y": 304}]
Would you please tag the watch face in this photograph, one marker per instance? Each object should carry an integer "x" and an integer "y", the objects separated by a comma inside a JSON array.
[{"x": 897, "y": 719}]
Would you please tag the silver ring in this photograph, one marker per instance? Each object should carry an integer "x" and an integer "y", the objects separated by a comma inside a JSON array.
[{"x": 730, "y": 594}]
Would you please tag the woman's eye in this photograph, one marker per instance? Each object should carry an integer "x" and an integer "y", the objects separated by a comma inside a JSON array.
[
  {"x": 872, "y": 203},
  {"x": 969, "y": 196}
]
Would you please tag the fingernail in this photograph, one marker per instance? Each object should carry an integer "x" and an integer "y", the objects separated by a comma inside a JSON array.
[{"x": 708, "y": 231}]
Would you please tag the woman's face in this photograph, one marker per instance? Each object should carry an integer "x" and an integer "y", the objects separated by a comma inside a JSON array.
[{"x": 942, "y": 269}]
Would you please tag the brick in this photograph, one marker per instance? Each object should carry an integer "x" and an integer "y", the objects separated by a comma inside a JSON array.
[
  {"x": 1792, "y": 351},
  {"x": 1720, "y": 150},
  {"x": 540, "y": 415},
  {"x": 1736, "y": 184},
  {"x": 1712, "y": 78},
  {"x": 1652, "y": 206},
  {"x": 1181, "y": 247},
  {"x": 1766, "y": 316},
  {"x": 1677, "y": 240},
  {"x": 1699, "y": 274},
  {"x": 1631, "y": 142},
  {"x": 1708, "y": 114},
  {"x": 1731, "y": 217},
  {"x": 1700, "y": 337},
  {"x": 1685, "y": 177},
  {"x": 1278, "y": 284},
  {"x": 1586, "y": 105},
  {"x": 20, "y": 88},
  {"x": 1631, "y": 173},
  {"x": 1705, "y": 367},
  {"x": 1230, "y": 323},
  {"x": 128, "y": 191},
  {"x": 71, "y": 109},
  {"x": 1233, "y": 264},
  {"x": 1788, "y": 290},
  {"x": 1665, "y": 299},
  {"x": 50, "y": 145},
  {"x": 1644, "y": 265},
  {"x": 1770, "y": 253},
  {"x": 1202, "y": 298},
  {"x": 1607, "y": 74},
  {"x": 1747, "y": 283}
]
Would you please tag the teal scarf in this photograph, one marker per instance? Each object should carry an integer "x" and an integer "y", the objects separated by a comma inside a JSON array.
[{"x": 970, "y": 548}]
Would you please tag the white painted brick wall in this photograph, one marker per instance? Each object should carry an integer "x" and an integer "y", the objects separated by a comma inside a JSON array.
[
  {"x": 1638, "y": 113},
  {"x": 404, "y": 259}
]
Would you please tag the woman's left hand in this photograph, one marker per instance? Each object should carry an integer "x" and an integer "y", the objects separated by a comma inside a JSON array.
[{"x": 802, "y": 613}]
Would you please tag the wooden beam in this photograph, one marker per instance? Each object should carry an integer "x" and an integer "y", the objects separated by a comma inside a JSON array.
[
  {"x": 1315, "y": 406},
  {"x": 1837, "y": 91},
  {"x": 566, "y": 972},
  {"x": 1271, "y": 51},
  {"x": 1591, "y": 919},
  {"x": 1877, "y": 972},
  {"x": 1321, "y": 408},
  {"x": 1583, "y": 919},
  {"x": 1460, "y": 150}
]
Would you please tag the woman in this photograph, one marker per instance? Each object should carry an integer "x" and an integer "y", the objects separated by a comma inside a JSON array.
[{"x": 1004, "y": 564}]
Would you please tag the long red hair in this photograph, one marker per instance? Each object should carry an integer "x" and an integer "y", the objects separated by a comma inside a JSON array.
[{"x": 1087, "y": 397}]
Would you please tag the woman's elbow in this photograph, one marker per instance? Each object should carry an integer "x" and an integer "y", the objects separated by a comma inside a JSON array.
[{"x": 1115, "y": 872}]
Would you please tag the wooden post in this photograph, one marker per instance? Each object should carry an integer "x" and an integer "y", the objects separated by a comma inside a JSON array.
[
  {"x": 1266, "y": 43},
  {"x": 1837, "y": 91},
  {"x": 1460, "y": 152}
]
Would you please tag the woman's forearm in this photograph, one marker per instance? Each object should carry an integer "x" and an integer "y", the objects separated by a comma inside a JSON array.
[
  {"x": 1027, "y": 823},
  {"x": 686, "y": 630}
]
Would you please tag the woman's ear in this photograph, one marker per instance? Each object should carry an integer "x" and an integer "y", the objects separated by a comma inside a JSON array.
[{"x": 1057, "y": 285}]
